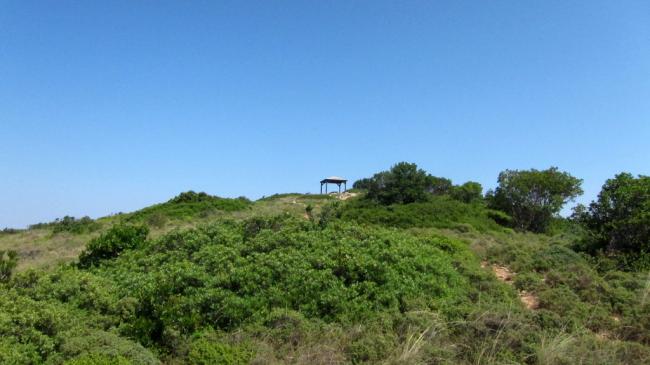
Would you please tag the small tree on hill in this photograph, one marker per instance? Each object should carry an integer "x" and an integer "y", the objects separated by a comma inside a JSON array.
[
  {"x": 403, "y": 183},
  {"x": 533, "y": 197}
]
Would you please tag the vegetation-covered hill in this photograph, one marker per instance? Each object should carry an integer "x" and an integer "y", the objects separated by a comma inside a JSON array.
[{"x": 413, "y": 270}]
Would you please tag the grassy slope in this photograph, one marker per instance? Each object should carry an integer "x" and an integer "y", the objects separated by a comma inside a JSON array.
[
  {"x": 40, "y": 248},
  {"x": 589, "y": 316}
]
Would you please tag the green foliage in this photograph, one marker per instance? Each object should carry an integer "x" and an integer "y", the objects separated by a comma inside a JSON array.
[
  {"x": 362, "y": 184},
  {"x": 309, "y": 211},
  {"x": 8, "y": 262},
  {"x": 157, "y": 220},
  {"x": 468, "y": 192},
  {"x": 403, "y": 183},
  {"x": 533, "y": 197},
  {"x": 438, "y": 211},
  {"x": 112, "y": 243},
  {"x": 62, "y": 315},
  {"x": 359, "y": 282},
  {"x": 439, "y": 185},
  {"x": 222, "y": 277},
  {"x": 70, "y": 224},
  {"x": 619, "y": 220},
  {"x": 101, "y": 347},
  {"x": 16, "y": 353},
  {"x": 98, "y": 359},
  {"x": 328, "y": 213},
  {"x": 572, "y": 294},
  {"x": 188, "y": 205},
  {"x": 206, "y": 350}
]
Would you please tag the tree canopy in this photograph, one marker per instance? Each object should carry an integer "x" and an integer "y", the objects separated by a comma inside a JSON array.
[
  {"x": 619, "y": 220},
  {"x": 403, "y": 183},
  {"x": 533, "y": 197}
]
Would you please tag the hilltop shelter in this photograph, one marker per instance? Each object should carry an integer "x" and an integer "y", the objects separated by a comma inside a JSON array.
[{"x": 333, "y": 180}]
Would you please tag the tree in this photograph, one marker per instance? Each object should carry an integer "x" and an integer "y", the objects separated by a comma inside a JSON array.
[
  {"x": 362, "y": 183},
  {"x": 468, "y": 192},
  {"x": 403, "y": 183},
  {"x": 533, "y": 197},
  {"x": 619, "y": 220},
  {"x": 439, "y": 185}
]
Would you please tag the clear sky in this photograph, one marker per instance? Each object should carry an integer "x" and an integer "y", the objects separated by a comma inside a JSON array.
[{"x": 109, "y": 106}]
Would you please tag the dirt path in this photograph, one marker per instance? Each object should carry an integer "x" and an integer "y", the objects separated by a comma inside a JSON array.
[{"x": 506, "y": 275}]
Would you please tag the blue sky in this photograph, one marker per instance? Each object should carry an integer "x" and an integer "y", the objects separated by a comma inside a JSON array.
[{"x": 112, "y": 106}]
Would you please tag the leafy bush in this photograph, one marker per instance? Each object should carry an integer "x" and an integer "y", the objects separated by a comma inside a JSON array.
[
  {"x": 403, "y": 183},
  {"x": 362, "y": 282},
  {"x": 188, "y": 205},
  {"x": 98, "y": 359},
  {"x": 438, "y": 211},
  {"x": 112, "y": 243},
  {"x": 16, "y": 353},
  {"x": 342, "y": 273},
  {"x": 206, "y": 350},
  {"x": 101, "y": 347}
]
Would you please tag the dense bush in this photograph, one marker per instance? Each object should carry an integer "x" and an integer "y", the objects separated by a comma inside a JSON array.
[
  {"x": 111, "y": 243},
  {"x": 438, "y": 211},
  {"x": 188, "y": 205},
  {"x": 619, "y": 220},
  {"x": 533, "y": 197},
  {"x": 211, "y": 276},
  {"x": 403, "y": 183},
  {"x": 359, "y": 282},
  {"x": 98, "y": 359},
  {"x": 206, "y": 349}
]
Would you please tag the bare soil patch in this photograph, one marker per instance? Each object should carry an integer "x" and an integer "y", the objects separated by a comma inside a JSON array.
[{"x": 506, "y": 275}]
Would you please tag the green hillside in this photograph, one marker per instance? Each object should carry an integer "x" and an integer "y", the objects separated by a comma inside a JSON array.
[{"x": 410, "y": 269}]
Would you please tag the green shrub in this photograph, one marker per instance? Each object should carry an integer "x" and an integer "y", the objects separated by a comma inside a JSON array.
[
  {"x": 189, "y": 205},
  {"x": 157, "y": 220},
  {"x": 205, "y": 350},
  {"x": 438, "y": 212},
  {"x": 86, "y": 346},
  {"x": 403, "y": 183},
  {"x": 8, "y": 262},
  {"x": 98, "y": 359},
  {"x": 15, "y": 353},
  {"x": 110, "y": 244}
]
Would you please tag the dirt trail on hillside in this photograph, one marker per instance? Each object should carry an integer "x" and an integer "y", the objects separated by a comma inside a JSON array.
[{"x": 506, "y": 275}]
